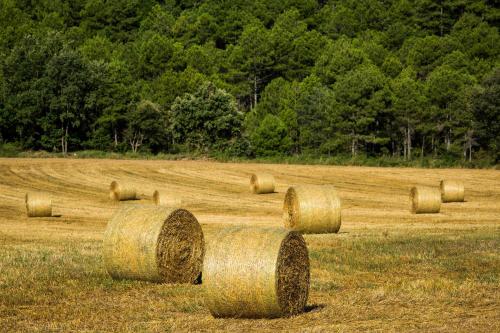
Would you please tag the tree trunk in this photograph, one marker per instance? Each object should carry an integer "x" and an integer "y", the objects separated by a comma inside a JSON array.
[
  {"x": 297, "y": 143},
  {"x": 470, "y": 150},
  {"x": 255, "y": 91},
  {"x": 409, "y": 142},
  {"x": 405, "y": 146},
  {"x": 66, "y": 141},
  {"x": 353, "y": 146},
  {"x": 136, "y": 142},
  {"x": 116, "y": 137},
  {"x": 132, "y": 144},
  {"x": 62, "y": 141},
  {"x": 448, "y": 134},
  {"x": 423, "y": 145},
  {"x": 448, "y": 140},
  {"x": 432, "y": 146},
  {"x": 466, "y": 146},
  {"x": 441, "y": 22}
]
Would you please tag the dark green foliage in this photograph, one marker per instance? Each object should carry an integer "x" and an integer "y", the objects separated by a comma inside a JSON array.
[
  {"x": 206, "y": 119},
  {"x": 147, "y": 125},
  {"x": 486, "y": 109},
  {"x": 388, "y": 79},
  {"x": 271, "y": 137},
  {"x": 115, "y": 98},
  {"x": 339, "y": 58}
]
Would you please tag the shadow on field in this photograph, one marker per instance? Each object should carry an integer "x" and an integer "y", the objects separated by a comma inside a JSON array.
[{"x": 314, "y": 308}]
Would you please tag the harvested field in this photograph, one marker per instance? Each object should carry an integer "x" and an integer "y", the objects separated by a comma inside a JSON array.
[{"x": 386, "y": 269}]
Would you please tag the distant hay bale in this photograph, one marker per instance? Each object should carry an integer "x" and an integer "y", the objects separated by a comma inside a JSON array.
[
  {"x": 120, "y": 192},
  {"x": 164, "y": 199},
  {"x": 262, "y": 183},
  {"x": 452, "y": 190},
  {"x": 251, "y": 272},
  {"x": 157, "y": 244},
  {"x": 424, "y": 199},
  {"x": 312, "y": 209},
  {"x": 38, "y": 204}
]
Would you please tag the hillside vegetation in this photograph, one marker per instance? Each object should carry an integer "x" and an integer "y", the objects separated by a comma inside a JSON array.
[{"x": 399, "y": 79}]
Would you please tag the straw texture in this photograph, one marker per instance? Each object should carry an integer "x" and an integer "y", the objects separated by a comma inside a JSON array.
[
  {"x": 120, "y": 192},
  {"x": 262, "y": 183},
  {"x": 252, "y": 272},
  {"x": 38, "y": 204},
  {"x": 312, "y": 209},
  {"x": 452, "y": 191},
  {"x": 164, "y": 199},
  {"x": 424, "y": 199},
  {"x": 155, "y": 244}
]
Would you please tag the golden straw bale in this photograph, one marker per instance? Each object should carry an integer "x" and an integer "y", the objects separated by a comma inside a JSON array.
[
  {"x": 120, "y": 192},
  {"x": 38, "y": 204},
  {"x": 262, "y": 183},
  {"x": 312, "y": 209},
  {"x": 452, "y": 190},
  {"x": 165, "y": 199},
  {"x": 424, "y": 199},
  {"x": 252, "y": 272},
  {"x": 151, "y": 243}
]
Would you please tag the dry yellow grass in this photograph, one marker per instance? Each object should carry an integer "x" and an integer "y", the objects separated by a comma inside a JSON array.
[{"x": 386, "y": 270}]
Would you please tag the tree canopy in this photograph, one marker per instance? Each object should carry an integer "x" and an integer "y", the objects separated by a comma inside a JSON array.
[{"x": 252, "y": 78}]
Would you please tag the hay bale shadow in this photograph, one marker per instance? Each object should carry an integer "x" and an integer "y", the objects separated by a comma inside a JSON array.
[
  {"x": 199, "y": 279},
  {"x": 314, "y": 308}
]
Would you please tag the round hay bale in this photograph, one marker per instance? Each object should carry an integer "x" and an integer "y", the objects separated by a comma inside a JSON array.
[
  {"x": 252, "y": 272},
  {"x": 120, "y": 192},
  {"x": 312, "y": 209},
  {"x": 155, "y": 244},
  {"x": 262, "y": 183},
  {"x": 424, "y": 199},
  {"x": 38, "y": 204},
  {"x": 164, "y": 199},
  {"x": 452, "y": 190}
]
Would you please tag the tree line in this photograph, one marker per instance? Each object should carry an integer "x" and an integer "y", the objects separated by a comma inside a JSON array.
[{"x": 253, "y": 78}]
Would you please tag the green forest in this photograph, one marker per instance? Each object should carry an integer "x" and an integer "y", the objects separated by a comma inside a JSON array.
[{"x": 389, "y": 78}]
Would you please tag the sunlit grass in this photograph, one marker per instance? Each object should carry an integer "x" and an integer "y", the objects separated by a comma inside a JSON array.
[
  {"x": 386, "y": 270},
  {"x": 64, "y": 284}
]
